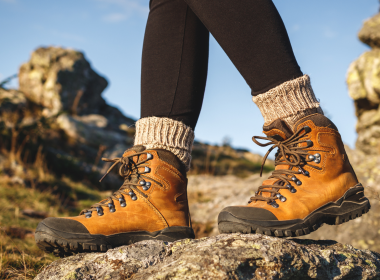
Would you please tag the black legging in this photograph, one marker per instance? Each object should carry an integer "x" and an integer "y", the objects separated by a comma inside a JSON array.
[{"x": 175, "y": 52}]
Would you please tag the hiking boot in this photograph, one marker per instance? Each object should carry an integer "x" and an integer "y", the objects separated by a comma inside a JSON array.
[
  {"x": 150, "y": 205},
  {"x": 313, "y": 183}
]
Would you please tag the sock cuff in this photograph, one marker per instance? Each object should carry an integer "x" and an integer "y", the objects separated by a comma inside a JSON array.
[
  {"x": 168, "y": 134},
  {"x": 288, "y": 100}
]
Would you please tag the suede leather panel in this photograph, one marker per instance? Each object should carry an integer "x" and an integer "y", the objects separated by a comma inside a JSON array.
[
  {"x": 274, "y": 132},
  {"x": 279, "y": 125},
  {"x": 322, "y": 186},
  {"x": 136, "y": 216},
  {"x": 164, "y": 196}
]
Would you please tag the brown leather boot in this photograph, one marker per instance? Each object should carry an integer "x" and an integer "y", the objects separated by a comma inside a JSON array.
[
  {"x": 151, "y": 204},
  {"x": 313, "y": 183}
]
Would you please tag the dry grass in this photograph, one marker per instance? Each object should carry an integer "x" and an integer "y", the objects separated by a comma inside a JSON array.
[{"x": 20, "y": 258}]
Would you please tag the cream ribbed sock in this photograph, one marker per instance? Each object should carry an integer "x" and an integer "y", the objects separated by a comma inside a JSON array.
[
  {"x": 289, "y": 101},
  {"x": 168, "y": 134}
]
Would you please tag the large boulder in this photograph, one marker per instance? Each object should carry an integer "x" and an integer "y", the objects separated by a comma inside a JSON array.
[
  {"x": 363, "y": 79},
  {"x": 232, "y": 256},
  {"x": 370, "y": 32},
  {"x": 62, "y": 80}
]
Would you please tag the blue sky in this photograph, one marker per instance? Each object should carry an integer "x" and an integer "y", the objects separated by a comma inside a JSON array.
[{"x": 110, "y": 33}]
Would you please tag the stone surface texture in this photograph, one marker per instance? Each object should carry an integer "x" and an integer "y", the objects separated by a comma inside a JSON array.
[
  {"x": 370, "y": 33},
  {"x": 232, "y": 256},
  {"x": 208, "y": 195}
]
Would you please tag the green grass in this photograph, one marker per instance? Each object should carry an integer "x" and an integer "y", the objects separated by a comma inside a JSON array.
[{"x": 20, "y": 258}]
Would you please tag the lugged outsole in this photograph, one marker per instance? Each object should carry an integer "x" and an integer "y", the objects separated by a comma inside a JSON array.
[
  {"x": 294, "y": 230},
  {"x": 61, "y": 247}
]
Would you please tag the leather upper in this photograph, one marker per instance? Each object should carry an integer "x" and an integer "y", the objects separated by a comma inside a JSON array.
[
  {"x": 165, "y": 203},
  {"x": 322, "y": 186}
]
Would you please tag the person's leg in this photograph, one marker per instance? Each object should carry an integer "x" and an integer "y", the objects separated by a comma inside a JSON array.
[
  {"x": 254, "y": 37},
  {"x": 152, "y": 202},
  {"x": 173, "y": 79},
  {"x": 314, "y": 182}
]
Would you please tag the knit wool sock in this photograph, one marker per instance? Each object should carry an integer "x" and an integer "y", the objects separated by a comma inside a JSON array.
[
  {"x": 289, "y": 101},
  {"x": 168, "y": 134}
]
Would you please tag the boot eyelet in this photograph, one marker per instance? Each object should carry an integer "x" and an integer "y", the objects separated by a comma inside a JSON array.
[
  {"x": 294, "y": 178},
  {"x": 147, "y": 169},
  {"x": 274, "y": 204},
  {"x": 100, "y": 211},
  {"x": 149, "y": 156},
  {"x": 134, "y": 198},
  {"x": 311, "y": 157},
  {"x": 281, "y": 197},
  {"x": 122, "y": 202},
  {"x": 307, "y": 129},
  {"x": 291, "y": 189},
  {"x": 309, "y": 143},
  {"x": 307, "y": 173},
  {"x": 142, "y": 183},
  {"x": 111, "y": 207},
  {"x": 147, "y": 186},
  {"x": 131, "y": 193},
  {"x": 299, "y": 183},
  {"x": 88, "y": 214}
]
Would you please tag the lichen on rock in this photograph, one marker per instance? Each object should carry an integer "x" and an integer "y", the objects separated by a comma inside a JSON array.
[{"x": 227, "y": 256}]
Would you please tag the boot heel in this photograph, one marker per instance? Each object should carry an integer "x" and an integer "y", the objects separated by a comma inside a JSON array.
[{"x": 351, "y": 206}]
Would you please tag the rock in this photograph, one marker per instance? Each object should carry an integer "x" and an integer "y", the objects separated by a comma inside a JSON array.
[
  {"x": 12, "y": 100},
  {"x": 208, "y": 195},
  {"x": 363, "y": 79},
  {"x": 227, "y": 256},
  {"x": 370, "y": 32},
  {"x": 93, "y": 120},
  {"x": 88, "y": 130},
  {"x": 62, "y": 80}
]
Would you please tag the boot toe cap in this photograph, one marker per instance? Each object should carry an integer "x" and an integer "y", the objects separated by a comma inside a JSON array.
[
  {"x": 62, "y": 225},
  {"x": 245, "y": 213}
]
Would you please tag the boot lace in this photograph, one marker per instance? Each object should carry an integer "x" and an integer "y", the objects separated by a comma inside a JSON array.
[
  {"x": 289, "y": 153},
  {"x": 129, "y": 170}
]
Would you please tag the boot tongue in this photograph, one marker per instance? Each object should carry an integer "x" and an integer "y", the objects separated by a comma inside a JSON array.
[
  {"x": 134, "y": 150},
  {"x": 278, "y": 130}
]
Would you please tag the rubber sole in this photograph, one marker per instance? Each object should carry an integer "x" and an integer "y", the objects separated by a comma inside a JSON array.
[
  {"x": 63, "y": 244},
  {"x": 351, "y": 205}
]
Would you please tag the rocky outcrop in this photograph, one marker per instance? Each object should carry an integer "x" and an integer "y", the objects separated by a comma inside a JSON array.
[
  {"x": 59, "y": 107},
  {"x": 233, "y": 256},
  {"x": 370, "y": 33},
  {"x": 62, "y": 80},
  {"x": 363, "y": 79}
]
